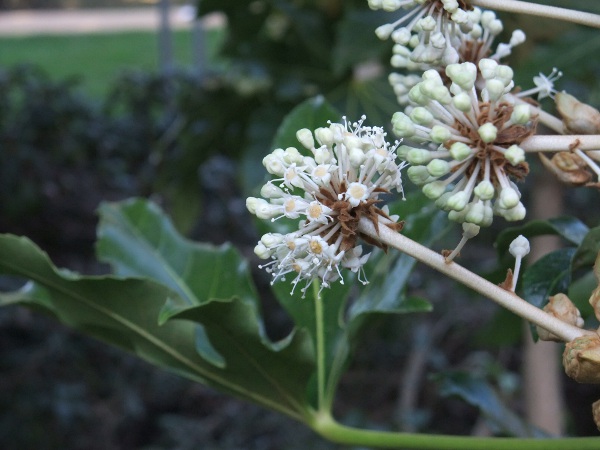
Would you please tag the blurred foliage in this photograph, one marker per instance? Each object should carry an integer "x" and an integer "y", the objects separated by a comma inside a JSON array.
[{"x": 183, "y": 139}]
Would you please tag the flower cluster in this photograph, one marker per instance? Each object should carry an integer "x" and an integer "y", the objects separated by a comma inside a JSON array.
[
  {"x": 427, "y": 34},
  {"x": 350, "y": 166},
  {"x": 461, "y": 45},
  {"x": 472, "y": 131}
]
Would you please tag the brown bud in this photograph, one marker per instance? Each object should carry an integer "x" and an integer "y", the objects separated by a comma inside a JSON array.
[
  {"x": 578, "y": 117},
  {"x": 595, "y": 298},
  {"x": 568, "y": 167},
  {"x": 596, "y": 413},
  {"x": 561, "y": 307},
  {"x": 581, "y": 359}
]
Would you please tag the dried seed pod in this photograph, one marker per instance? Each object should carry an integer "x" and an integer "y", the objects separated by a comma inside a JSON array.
[
  {"x": 561, "y": 307},
  {"x": 596, "y": 413},
  {"x": 581, "y": 359},
  {"x": 578, "y": 117},
  {"x": 568, "y": 167},
  {"x": 595, "y": 297}
]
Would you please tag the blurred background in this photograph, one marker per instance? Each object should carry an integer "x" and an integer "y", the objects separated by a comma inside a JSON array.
[{"x": 102, "y": 100}]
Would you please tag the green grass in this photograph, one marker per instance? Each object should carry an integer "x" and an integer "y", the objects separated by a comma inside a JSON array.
[{"x": 97, "y": 58}]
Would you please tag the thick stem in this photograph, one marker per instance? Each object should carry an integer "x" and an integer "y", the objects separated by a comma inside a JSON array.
[
  {"x": 504, "y": 298},
  {"x": 327, "y": 427},
  {"x": 551, "y": 12},
  {"x": 552, "y": 143}
]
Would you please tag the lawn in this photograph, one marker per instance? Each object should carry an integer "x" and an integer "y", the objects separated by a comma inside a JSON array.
[{"x": 97, "y": 58}]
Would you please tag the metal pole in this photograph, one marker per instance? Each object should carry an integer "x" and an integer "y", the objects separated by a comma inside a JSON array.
[{"x": 165, "y": 40}]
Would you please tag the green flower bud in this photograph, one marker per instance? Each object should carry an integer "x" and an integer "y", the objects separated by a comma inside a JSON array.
[
  {"x": 509, "y": 198},
  {"x": 462, "y": 102},
  {"x": 421, "y": 116},
  {"x": 438, "y": 168},
  {"x": 485, "y": 190},
  {"x": 515, "y": 155},
  {"x": 434, "y": 190},
  {"x": 458, "y": 201},
  {"x": 439, "y": 134},
  {"x": 488, "y": 132},
  {"x": 418, "y": 175},
  {"x": 418, "y": 156},
  {"x": 460, "y": 151},
  {"x": 521, "y": 114}
]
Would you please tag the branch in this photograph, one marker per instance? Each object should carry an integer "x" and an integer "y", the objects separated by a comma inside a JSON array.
[
  {"x": 553, "y": 143},
  {"x": 504, "y": 298},
  {"x": 551, "y": 12}
]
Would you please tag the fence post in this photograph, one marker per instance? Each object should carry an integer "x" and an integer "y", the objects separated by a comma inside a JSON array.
[{"x": 165, "y": 41}]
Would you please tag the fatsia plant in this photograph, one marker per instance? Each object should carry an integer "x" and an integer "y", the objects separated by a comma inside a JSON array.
[{"x": 465, "y": 131}]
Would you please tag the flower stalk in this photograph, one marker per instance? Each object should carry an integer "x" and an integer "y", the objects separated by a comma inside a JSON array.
[
  {"x": 504, "y": 298},
  {"x": 550, "y": 12},
  {"x": 553, "y": 143}
]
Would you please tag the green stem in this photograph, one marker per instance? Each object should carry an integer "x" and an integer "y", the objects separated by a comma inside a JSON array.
[
  {"x": 320, "y": 332},
  {"x": 551, "y": 12},
  {"x": 328, "y": 428}
]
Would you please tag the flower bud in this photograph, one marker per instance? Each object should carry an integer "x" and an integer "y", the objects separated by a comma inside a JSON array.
[
  {"x": 418, "y": 175},
  {"x": 581, "y": 359},
  {"x": 595, "y": 297},
  {"x": 488, "y": 132},
  {"x": 460, "y": 151},
  {"x": 434, "y": 190},
  {"x": 509, "y": 198},
  {"x": 458, "y": 201},
  {"x": 521, "y": 114},
  {"x": 462, "y": 102},
  {"x": 383, "y": 32},
  {"x": 403, "y": 126},
  {"x": 485, "y": 190},
  {"x": 324, "y": 136},
  {"x": 418, "y": 156},
  {"x": 305, "y": 137},
  {"x": 439, "y": 134},
  {"x": 515, "y": 155},
  {"x": 421, "y": 116},
  {"x": 438, "y": 168}
]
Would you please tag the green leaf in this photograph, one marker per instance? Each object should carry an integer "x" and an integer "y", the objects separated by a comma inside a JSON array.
[
  {"x": 312, "y": 113},
  {"x": 588, "y": 250},
  {"x": 549, "y": 275},
  {"x": 570, "y": 228},
  {"x": 479, "y": 393},
  {"x": 138, "y": 240},
  {"x": 125, "y": 312}
]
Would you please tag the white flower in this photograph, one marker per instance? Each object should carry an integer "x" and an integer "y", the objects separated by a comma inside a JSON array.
[
  {"x": 544, "y": 85},
  {"x": 350, "y": 167},
  {"x": 471, "y": 141}
]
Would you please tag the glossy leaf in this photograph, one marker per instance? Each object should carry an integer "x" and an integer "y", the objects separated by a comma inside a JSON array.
[
  {"x": 549, "y": 275},
  {"x": 589, "y": 249},
  {"x": 138, "y": 240},
  {"x": 125, "y": 312},
  {"x": 570, "y": 228},
  {"x": 312, "y": 113},
  {"x": 479, "y": 393}
]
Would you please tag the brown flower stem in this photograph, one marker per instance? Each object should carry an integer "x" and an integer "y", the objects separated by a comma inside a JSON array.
[
  {"x": 504, "y": 298},
  {"x": 553, "y": 143},
  {"x": 551, "y": 12}
]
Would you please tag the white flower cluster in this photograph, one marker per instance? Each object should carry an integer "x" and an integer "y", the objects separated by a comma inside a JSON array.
[
  {"x": 426, "y": 34},
  {"x": 461, "y": 45},
  {"x": 472, "y": 131},
  {"x": 350, "y": 166}
]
